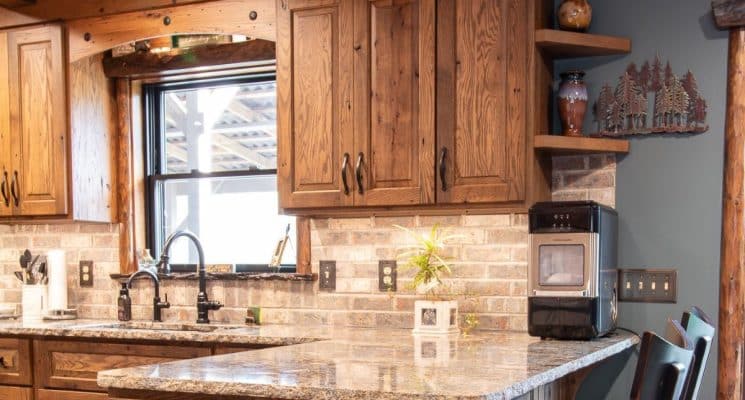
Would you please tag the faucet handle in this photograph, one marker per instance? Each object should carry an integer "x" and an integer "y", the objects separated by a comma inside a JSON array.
[
  {"x": 215, "y": 305},
  {"x": 164, "y": 303}
]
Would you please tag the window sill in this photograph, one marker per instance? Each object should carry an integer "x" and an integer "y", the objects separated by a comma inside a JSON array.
[{"x": 229, "y": 276}]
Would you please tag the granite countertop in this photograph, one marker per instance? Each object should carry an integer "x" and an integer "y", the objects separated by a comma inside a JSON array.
[
  {"x": 264, "y": 335},
  {"x": 377, "y": 364}
]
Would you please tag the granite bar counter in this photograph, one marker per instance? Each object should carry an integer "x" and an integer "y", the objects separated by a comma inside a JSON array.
[{"x": 372, "y": 364}]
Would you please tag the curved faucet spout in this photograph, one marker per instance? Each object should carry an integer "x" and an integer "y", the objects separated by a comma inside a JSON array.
[{"x": 204, "y": 305}]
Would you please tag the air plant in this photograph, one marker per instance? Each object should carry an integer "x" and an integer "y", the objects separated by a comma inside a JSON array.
[{"x": 425, "y": 257}]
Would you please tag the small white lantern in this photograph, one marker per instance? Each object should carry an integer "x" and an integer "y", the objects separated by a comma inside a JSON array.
[{"x": 435, "y": 317}]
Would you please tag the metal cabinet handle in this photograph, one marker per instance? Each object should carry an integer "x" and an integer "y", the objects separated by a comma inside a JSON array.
[
  {"x": 344, "y": 165},
  {"x": 2, "y": 362},
  {"x": 4, "y": 189},
  {"x": 13, "y": 189},
  {"x": 443, "y": 168},
  {"x": 358, "y": 173}
]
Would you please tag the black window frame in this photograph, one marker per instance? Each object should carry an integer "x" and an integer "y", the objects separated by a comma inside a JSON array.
[{"x": 155, "y": 154}]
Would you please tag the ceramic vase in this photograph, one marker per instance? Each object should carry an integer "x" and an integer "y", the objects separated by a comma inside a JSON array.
[
  {"x": 575, "y": 15},
  {"x": 572, "y": 102}
]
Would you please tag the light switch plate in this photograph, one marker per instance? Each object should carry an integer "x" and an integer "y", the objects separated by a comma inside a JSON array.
[
  {"x": 327, "y": 276},
  {"x": 387, "y": 273},
  {"x": 648, "y": 285},
  {"x": 86, "y": 273}
]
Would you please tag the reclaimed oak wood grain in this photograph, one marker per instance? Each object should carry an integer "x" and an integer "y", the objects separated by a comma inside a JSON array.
[
  {"x": 482, "y": 100},
  {"x": 314, "y": 103},
  {"x": 394, "y": 101},
  {"x": 38, "y": 116},
  {"x": 564, "y": 44}
]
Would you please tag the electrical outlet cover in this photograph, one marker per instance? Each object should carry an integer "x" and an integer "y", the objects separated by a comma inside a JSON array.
[
  {"x": 327, "y": 276},
  {"x": 86, "y": 273},
  {"x": 387, "y": 273}
]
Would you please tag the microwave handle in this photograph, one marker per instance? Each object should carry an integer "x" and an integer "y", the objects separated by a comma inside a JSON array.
[{"x": 560, "y": 293}]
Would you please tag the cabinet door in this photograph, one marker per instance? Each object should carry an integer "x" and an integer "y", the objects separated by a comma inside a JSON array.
[
  {"x": 6, "y": 168},
  {"x": 38, "y": 120},
  {"x": 394, "y": 101},
  {"x": 314, "y": 104},
  {"x": 16, "y": 393},
  {"x": 482, "y": 100}
]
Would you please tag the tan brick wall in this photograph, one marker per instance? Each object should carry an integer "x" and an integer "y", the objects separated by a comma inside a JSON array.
[{"x": 489, "y": 264}]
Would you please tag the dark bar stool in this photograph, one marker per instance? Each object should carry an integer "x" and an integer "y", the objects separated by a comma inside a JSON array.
[
  {"x": 663, "y": 365},
  {"x": 700, "y": 329}
]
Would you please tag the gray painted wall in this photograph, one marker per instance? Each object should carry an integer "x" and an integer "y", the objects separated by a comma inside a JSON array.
[{"x": 668, "y": 188}]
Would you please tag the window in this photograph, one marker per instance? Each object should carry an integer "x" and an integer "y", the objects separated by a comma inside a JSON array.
[{"x": 212, "y": 159}]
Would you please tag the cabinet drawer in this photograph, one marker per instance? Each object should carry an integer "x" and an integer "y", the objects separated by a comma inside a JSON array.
[
  {"x": 74, "y": 365},
  {"x": 16, "y": 361},
  {"x": 45, "y": 394},
  {"x": 16, "y": 393}
]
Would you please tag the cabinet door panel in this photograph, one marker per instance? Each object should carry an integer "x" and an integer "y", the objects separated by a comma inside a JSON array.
[
  {"x": 16, "y": 393},
  {"x": 394, "y": 100},
  {"x": 6, "y": 167},
  {"x": 482, "y": 100},
  {"x": 314, "y": 102},
  {"x": 38, "y": 120}
]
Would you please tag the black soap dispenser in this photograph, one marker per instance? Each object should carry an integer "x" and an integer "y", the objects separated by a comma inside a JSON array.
[{"x": 124, "y": 303}]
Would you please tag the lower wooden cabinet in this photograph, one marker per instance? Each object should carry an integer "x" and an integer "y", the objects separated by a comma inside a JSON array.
[
  {"x": 40, "y": 369},
  {"x": 44, "y": 394},
  {"x": 63, "y": 364},
  {"x": 16, "y": 393},
  {"x": 15, "y": 362}
]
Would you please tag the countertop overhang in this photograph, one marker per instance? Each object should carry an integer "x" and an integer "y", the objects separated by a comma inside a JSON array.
[{"x": 355, "y": 363}]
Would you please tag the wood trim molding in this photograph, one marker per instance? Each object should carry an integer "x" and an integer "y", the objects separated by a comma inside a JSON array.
[
  {"x": 731, "y": 335},
  {"x": 126, "y": 189},
  {"x": 220, "y": 17},
  {"x": 179, "y": 61}
]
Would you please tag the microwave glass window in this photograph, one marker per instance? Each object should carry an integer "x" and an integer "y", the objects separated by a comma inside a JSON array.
[{"x": 562, "y": 265}]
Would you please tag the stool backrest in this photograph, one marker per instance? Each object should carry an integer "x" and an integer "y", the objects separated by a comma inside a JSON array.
[
  {"x": 663, "y": 364},
  {"x": 700, "y": 329}
]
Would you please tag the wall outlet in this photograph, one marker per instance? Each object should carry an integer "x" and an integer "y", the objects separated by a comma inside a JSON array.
[
  {"x": 327, "y": 276},
  {"x": 387, "y": 273},
  {"x": 648, "y": 285},
  {"x": 86, "y": 273}
]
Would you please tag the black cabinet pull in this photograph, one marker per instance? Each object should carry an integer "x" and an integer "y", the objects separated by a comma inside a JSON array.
[
  {"x": 13, "y": 189},
  {"x": 358, "y": 173},
  {"x": 443, "y": 168},
  {"x": 4, "y": 189},
  {"x": 344, "y": 164}
]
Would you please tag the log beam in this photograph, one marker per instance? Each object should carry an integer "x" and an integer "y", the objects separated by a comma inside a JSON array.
[
  {"x": 729, "y": 13},
  {"x": 224, "y": 56},
  {"x": 731, "y": 335}
]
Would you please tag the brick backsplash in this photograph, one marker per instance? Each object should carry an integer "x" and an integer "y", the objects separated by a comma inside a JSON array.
[{"x": 489, "y": 265}]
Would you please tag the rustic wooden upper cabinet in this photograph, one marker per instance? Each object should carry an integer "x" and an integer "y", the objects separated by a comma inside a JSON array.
[
  {"x": 55, "y": 143},
  {"x": 38, "y": 122},
  {"x": 314, "y": 95},
  {"x": 426, "y": 105},
  {"x": 482, "y": 100}
]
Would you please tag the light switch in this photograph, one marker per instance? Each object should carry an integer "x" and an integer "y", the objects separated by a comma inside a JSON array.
[{"x": 327, "y": 276}]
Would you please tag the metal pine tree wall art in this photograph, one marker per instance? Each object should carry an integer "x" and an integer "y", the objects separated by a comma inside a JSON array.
[{"x": 675, "y": 103}]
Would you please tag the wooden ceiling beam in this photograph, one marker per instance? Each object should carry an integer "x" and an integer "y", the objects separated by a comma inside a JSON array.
[
  {"x": 224, "y": 56},
  {"x": 94, "y": 35},
  {"x": 729, "y": 13}
]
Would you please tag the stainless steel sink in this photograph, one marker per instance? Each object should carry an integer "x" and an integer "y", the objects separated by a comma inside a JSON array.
[{"x": 161, "y": 326}]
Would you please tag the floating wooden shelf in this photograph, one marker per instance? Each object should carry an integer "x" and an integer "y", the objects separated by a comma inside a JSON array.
[
  {"x": 563, "y": 44},
  {"x": 562, "y": 145}
]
